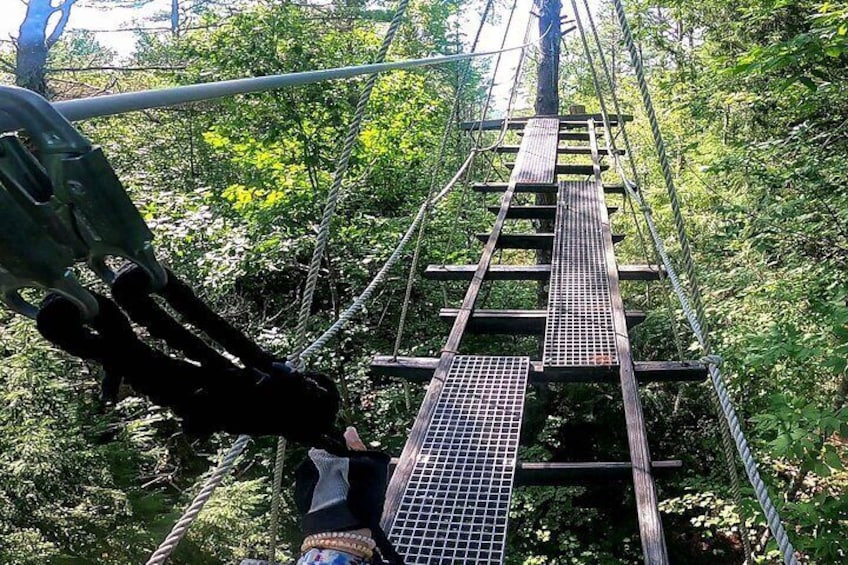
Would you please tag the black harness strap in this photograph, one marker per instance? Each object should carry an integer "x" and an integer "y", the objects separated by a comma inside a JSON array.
[
  {"x": 131, "y": 290},
  {"x": 301, "y": 407},
  {"x": 182, "y": 299}
]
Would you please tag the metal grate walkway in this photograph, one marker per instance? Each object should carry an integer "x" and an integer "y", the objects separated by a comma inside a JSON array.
[
  {"x": 448, "y": 499},
  {"x": 456, "y": 503},
  {"x": 537, "y": 157},
  {"x": 580, "y": 329}
]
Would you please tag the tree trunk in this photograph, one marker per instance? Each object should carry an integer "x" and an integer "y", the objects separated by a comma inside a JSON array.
[
  {"x": 547, "y": 104},
  {"x": 34, "y": 41},
  {"x": 547, "y": 91},
  {"x": 31, "y": 60}
]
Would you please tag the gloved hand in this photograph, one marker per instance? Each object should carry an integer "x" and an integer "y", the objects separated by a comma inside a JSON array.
[{"x": 339, "y": 493}]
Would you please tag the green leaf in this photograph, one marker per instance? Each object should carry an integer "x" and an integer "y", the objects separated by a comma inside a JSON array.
[
  {"x": 808, "y": 82},
  {"x": 831, "y": 458}
]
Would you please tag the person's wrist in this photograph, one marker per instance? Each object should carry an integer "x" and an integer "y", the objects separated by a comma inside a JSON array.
[{"x": 358, "y": 543}]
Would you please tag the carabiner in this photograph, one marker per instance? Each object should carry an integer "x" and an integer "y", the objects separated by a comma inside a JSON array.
[
  {"x": 27, "y": 182},
  {"x": 30, "y": 258},
  {"x": 86, "y": 193}
]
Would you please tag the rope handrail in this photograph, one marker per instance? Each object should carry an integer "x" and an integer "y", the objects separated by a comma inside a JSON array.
[
  {"x": 227, "y": 462},
  {"x": 694, "y": 314},
  {"x": 723, "y": 427}
]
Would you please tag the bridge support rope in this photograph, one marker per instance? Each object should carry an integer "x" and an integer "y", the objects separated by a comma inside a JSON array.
[
  {"x": 694, "y": 310},
  {"x": 724, "y": 429}
]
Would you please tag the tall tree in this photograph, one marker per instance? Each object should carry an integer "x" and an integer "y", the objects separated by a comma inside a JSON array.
[
  {"x": 35, "y": 38},
  {"x": 547, "y": 94}
]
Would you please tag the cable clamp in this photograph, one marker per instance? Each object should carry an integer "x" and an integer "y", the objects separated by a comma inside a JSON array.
[{"x": 714, "y": 360}]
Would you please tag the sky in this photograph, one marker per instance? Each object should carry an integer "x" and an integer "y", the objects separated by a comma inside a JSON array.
[{"x": 112, "y": 20}]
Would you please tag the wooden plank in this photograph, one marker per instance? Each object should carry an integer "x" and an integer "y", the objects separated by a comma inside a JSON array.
[
  {"x": 538, "y": 272},
  {"x": 517, "y": 322},
  {"x": 521, "y": 240},
  {"x": 537, "y": 160},
  {"x": 495, "y": 273},
  {"x": 533, "y": 212},
  {"x": 588, "y": 472},
  {"x": 651, "y": 533},
  {"x": 573, "y": 120},
  {"x": 569, "y": 135},
  {"x": 568, "y": 150},
  {"x": 639, "y": 272},
  {"x": 567, "y": 169},
  {"x": 547, "y": 188},
  {"x": 576, "y": 473},
  {"x": 415, "y": 440},
  {"x": 615, "y": 189},
  {"x": 530, "y": 240},
  {"x": 421, "y": 369}
]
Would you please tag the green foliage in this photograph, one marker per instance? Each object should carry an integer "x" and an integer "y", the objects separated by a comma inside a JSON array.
[{"x": 752, "y": 109}]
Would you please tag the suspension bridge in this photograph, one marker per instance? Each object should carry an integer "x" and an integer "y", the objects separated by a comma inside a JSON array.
[{"x": 449, "y": 496}]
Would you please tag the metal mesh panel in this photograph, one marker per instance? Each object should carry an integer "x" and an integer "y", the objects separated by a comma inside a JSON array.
[
  {"x": 456, "y": 504},
  {"x": 580, "y": 329},
  {"x": 537, "y": 156}
]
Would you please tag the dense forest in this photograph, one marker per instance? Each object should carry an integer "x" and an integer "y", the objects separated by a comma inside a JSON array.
[{"x": 751, "y": 101}]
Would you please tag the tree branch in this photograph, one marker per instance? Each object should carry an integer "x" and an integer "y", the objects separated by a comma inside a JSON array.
[
  {"x": 65, "y": 8},
  {"x": 111, "y": 68}
]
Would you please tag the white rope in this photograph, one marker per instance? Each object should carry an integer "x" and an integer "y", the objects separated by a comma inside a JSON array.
[
  {"x": 728, "y": 411},
  {"x": 181, "y": 527},
  {"x": 338, "y": 177},
  {"x": 724, "y": 429},
  {"x": 695, "y": 316}
]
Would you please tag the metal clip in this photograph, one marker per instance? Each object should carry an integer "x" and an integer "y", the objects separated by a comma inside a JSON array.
[
  {"x": 30, "y": 258},
  {"x": 28, "y": 183},
  {"x": 88, "y": 195}
]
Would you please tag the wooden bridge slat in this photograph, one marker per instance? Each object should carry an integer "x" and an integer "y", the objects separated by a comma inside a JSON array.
[
  {"x": 518, "y": 322},
  {"x": 588, "y": 472},
  {"x": 547, "y": 188},
  {"x": 567, "y": 168},
  {"x": 537, "y": 272},
  {"x": 530, "y": 240},
  {"x": 420, "y": 369},
  {"x": 520, "y": 123},
  {"x": 567, "y": 150},
  {"x": 651, "y": 533},
  {"x": 536, "y": 212}
]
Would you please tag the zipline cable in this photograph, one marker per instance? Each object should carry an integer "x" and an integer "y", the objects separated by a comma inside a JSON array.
[
  {"x": 114, "y": 104},
  {"x": 724, "y": 429}
]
